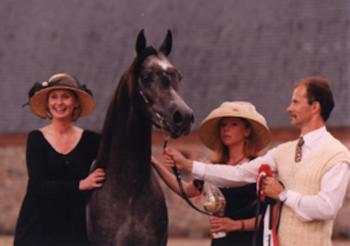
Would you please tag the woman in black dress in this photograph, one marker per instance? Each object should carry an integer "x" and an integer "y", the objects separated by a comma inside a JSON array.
[
  {"x": 236, "y": 132},
  {"x": 59, "y": 157}
]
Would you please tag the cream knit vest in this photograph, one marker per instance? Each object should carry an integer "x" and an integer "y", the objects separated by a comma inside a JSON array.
[{"x": 305, "y": 177}]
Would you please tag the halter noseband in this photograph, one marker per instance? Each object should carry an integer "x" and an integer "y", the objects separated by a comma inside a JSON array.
[{"x": 159, "y": 117}]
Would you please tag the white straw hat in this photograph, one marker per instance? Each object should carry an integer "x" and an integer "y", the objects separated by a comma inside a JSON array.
[{"x": 209, "y": 133}]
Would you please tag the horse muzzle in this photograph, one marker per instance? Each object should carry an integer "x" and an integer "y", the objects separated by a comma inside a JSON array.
[
  {"x": 182, "y": 122},
  {"x": 179, "y": 122}
]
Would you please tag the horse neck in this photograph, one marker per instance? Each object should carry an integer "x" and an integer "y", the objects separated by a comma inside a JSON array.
[
  {"x": 130, "y": 151},
  {"x": 126, "y": 139}
]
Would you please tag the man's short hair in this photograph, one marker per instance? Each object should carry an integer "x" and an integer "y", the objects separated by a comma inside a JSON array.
[{"x": 318, "y": 89}]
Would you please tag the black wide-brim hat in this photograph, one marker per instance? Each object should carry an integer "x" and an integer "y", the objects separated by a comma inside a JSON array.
[{"x": 39, "y": 93}]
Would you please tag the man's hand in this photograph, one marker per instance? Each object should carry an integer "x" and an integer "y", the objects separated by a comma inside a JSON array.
[
  {"x": 173, "y": 157},
  {"x": 272, "y": 187}
]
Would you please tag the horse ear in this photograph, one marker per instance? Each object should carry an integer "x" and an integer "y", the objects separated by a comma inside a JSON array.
[
  {"x": 165, "y": 48},
  {"x": 140, "y": 42}
]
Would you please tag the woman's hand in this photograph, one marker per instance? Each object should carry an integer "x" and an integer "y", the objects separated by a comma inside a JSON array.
[
  {"x": 225, "y": 224},
  {"x": 155, "y": 162},
  {"x": 173, "y": 157},
  {"x": 94, "y": 180}
]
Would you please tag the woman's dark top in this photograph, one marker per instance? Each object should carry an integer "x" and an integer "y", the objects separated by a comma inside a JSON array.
[
  {"x": 53, "y": 210},
  {"x": 239, "y": 205}
]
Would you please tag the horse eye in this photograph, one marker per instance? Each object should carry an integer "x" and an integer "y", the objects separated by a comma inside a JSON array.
[
  {"x": 166, "y": 81},
  {"x": 147, "y": 77}
]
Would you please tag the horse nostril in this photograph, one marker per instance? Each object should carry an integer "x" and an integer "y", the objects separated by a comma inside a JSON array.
[
  {"x": 177, "y": 118},
  {"x": 181, "y": 119}
]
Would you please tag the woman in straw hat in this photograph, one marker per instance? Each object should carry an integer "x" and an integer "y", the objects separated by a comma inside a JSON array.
[
  {"x": 59, "y": 157},
  {"x": 236, "y": 132}
]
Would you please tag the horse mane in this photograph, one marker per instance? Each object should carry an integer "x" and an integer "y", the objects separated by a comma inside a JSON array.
[
  {"x": 119, "y": 107},
  {"x": 123, "y": 104}
]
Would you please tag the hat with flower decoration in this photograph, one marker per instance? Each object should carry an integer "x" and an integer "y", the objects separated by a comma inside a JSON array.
[{"x": 39, "y": 92}]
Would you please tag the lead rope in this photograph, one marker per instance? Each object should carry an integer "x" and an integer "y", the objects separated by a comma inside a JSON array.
[
  {"x": 166, "y": 138},
  {"x": 183, "y": 194},
  {"x": 174, "y": 168},
  {"x": 265, "y": 209},
  {"x": 182, "y": 190}
]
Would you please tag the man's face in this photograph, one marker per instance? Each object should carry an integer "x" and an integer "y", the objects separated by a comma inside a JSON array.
[{"x": 299, "y": 109}]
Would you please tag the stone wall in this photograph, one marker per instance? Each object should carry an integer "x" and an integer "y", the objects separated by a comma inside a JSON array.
[
  {"x": 13, "y": 180},
  {"x": 183, "y": 221}
]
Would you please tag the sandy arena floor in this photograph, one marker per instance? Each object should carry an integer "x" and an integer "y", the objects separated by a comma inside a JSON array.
[{"x": 8, "y": 241}]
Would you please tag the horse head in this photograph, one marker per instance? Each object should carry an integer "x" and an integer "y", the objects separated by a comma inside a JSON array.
[{"x": 157, "y": 83}]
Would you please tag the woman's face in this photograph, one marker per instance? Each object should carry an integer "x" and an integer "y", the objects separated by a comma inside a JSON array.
[
  {"x": 61, "y": 103},
  {"x": 233, "y": 131}
]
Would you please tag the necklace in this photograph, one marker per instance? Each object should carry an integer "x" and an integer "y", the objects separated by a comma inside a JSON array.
[{"x": 237, "y": 161}]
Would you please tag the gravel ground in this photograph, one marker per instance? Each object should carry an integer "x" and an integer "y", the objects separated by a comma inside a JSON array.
[
  {"x": 206, "y": 242},
  {"x": 7, "y": 241}
]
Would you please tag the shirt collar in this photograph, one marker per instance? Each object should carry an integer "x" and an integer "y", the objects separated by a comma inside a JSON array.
[{"x": 314, "y": 135}]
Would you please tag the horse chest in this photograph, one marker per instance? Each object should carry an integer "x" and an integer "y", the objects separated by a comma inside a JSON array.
[{"x": 124, "y": 218}]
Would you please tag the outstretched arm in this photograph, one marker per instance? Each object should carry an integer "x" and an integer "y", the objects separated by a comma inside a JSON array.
[
  {"x": 220, "y": 175},
  {"x": 174, "y": 157},
  {"x": 170, "y": 179}
]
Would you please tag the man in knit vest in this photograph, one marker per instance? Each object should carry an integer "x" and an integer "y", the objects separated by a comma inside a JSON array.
[{"x": 314, "y": 169}]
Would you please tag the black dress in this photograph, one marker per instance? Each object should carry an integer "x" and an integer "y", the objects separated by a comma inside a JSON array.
[
  {"x": 53, "y": 210},
  {"x": 237, "y": 201}
]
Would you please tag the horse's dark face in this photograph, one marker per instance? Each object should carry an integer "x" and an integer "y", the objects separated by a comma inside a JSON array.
[{"x": 158, "y": 81}]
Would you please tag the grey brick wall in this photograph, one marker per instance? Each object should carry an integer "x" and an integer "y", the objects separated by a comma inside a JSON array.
[
  {"x": 183, "y": 220},
  {"x": 227, "y": 50}
]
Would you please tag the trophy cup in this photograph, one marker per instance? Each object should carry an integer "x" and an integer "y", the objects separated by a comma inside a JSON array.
[{"x": 214, "y": 202}]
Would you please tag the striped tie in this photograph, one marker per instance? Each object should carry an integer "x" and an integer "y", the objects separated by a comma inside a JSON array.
[{"x": 298, "y": 153}]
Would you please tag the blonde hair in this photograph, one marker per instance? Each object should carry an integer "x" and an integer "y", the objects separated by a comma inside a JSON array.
[{"x": 221, "y": 154}]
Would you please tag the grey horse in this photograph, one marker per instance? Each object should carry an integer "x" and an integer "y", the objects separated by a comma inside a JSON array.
[{"x": 130, "y": 208}]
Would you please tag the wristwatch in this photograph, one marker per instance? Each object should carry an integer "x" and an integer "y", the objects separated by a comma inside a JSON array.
[{"x": 282, "y": 196}]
